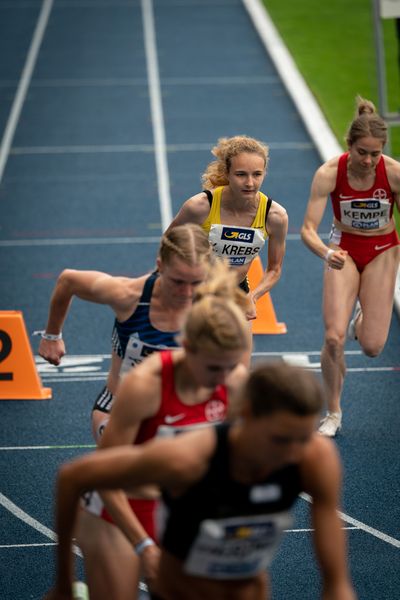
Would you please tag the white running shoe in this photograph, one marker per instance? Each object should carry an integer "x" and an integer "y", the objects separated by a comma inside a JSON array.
[
  {"x": 331, "y": 424},
  {"x": 80, "y": 590},
  {"x": 351, "y": 330}
]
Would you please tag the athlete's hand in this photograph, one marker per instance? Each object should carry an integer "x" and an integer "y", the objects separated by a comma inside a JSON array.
[
  {"x": 337, "y": 259},
  {"x": 251, "y": 311},
  {"x": 52, "y": 351},
  {"x": 150, "y": 559}
]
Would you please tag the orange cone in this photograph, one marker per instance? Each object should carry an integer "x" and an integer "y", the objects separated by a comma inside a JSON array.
[
  {"x": 19, "y": 379},
  {"x": 266, "y": 318}
]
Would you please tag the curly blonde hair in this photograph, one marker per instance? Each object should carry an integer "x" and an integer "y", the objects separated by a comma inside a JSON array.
[
  {"x": 216, "y": 173},
  {"x": 367, "y": 123}
]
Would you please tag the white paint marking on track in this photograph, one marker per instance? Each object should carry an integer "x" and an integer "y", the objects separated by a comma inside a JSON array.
[
  {"x": 105, "y": 241},
  {"x": 58, "y": 447},
  {"x": 308, "y": 108},
  {"x": 156, "y": 112},
  {"x": 384, "y": 537},
  {"x": 80, "y": 241},
  {"x": 139, "y": 81},
  {"x": 27, "y": 545},
  {"x": 131, "y": 148},
  {"x": 23, "y": 85},
  {"x": 28, "y": 520},
  {"x": 54, "y": 544}
]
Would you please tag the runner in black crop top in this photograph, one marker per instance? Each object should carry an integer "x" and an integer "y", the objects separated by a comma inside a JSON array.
[
  {"x": 229, "y": 489},
  {"x": 218, "y": 497}
]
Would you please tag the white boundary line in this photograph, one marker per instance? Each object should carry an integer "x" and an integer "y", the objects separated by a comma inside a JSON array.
[
  {"x": 24, "y": 84},
  {"x": 28, "y": 520},
  {"x": 360, "y": 525},
  {"x": 157, "y": 112},
  {"x": 291, "y": 237},
  {"x": 308, "y": 108},
  {"x": 144, "y": 148},
  {"x": 315, "y": 122}
]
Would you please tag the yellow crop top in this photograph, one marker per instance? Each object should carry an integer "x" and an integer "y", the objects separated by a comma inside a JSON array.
[{"x": 238, "y": 244}]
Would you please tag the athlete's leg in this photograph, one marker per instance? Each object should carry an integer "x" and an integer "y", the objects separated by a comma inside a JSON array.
[
  {"x": 246, "y": 358},
  {"x": 376, "y": 298},
  {"x": 111, "y": 565},
  {"x": 339, "y": 295},
  {"x": 99, "y": 422}
]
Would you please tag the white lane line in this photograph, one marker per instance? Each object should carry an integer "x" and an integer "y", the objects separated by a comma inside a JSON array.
[
  {"x": 307, "y": 530},
  {"x": 311, "y": 114},
  {"x": 384, "y": 537},
  {"x": 156, "y": 112},
  {"x": 27, "y": 545},
  {"x": 28, "y": 520},
  {"x": 60, "y": 447},
  {"x": 302, "y": 353},
  {"x": 291, "y": 237},
  {"x": 54, "y": 544},
  {"x": 73, "y": 379},
  {"x": 81, "y": 241},
  {"x": 24, "y": 84},
  {"x": 23, "y": 516},
  {"x": 138, "y": 81},
  {"x": 316, "y": 368},
  {"x": 131, "y": 148}
]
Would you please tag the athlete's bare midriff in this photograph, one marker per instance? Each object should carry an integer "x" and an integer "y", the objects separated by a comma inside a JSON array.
[{"x": 382, "y": 231}]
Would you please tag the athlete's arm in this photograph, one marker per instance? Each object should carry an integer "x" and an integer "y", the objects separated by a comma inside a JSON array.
[
  {"x": 137, "y": 399},
  {"x": 171, "y": 463},
  {"x": 393, "y": 173},
  {"x": 93, "y": 286},
  {"x": 323, "y": 184},
  {"x": 321, "y": 475},
  {"x": 234, "y": 384},
  {"x": 194, "y": 210},
  {"x": 277, "y": 226}
]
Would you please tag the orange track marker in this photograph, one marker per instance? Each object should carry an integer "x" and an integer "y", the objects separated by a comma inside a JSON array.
[
  {"x": 266, "y": 321},
  {"x": 19, "y": 379}
]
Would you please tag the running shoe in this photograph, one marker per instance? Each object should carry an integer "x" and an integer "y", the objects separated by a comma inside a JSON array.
[
  {"x": 351, "y": 330},
  {"x": 80, "y": 590},
  {"x": 331, "y": 424}
]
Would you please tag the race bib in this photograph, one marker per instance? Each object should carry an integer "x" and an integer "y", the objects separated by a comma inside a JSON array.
[
  {"x": 136, "y": 351},
  {"x": 236, "y": 548},
  {"x": 239, "y": 245},
  {"x": 365, "y": 213}
]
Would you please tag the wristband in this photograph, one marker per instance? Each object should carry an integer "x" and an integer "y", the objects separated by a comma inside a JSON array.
[
  {"x": 143, "y": 544},
  {"x": 328, "y": 254},
  {"x": 51, "y": 337}
]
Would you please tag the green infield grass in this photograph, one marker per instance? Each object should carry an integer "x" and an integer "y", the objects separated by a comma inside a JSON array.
[{"x": 333, "y": 46}]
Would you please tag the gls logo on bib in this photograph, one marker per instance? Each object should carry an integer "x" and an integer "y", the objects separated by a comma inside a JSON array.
[{"x": 240, "y": 235}]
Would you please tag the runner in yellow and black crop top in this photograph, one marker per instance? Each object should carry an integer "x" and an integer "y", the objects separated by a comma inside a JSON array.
[
  {"x": 237, "y": 216},
  {"x": 239, "y": 245}
]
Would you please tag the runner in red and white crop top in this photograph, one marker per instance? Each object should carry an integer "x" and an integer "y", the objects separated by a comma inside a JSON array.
[
  {"x": 362, "y": 210},
  {"x": 363, "y": 252},
  {"x": 173, "y": 415}
]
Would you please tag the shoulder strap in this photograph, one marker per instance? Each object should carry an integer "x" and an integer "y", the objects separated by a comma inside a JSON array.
[
  {"x": 148, "y": 288},
  {"x": 269, "y": 202},
  {"x": 209, "y": 196}
]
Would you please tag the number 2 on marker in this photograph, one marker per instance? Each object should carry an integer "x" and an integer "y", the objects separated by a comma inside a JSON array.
[{"x": 5, "y": 349}]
